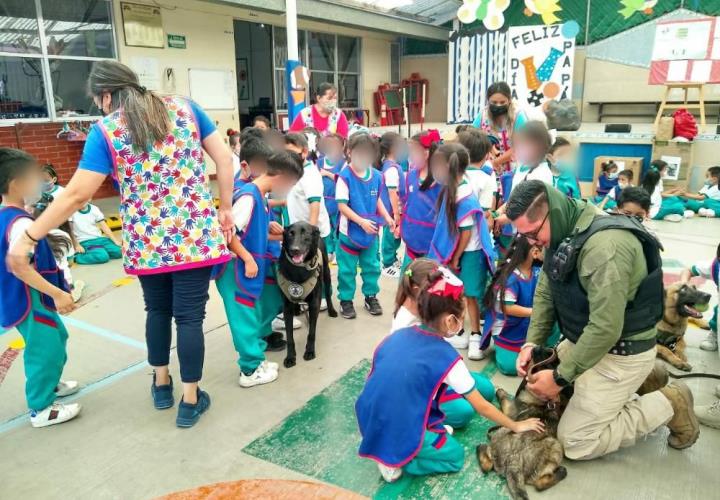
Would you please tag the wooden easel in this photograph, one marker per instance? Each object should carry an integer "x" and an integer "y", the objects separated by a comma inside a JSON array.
[{"x": 698, "y": 105}]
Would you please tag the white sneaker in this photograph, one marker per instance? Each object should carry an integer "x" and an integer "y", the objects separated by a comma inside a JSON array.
[
  {"x": 56, "y": 413},
  {"x": 709, "y": 212},
  {"x": 260, "y": 376},
  {"x": 67, "y": 388},
  {"x": 709, "y": 415},
  {"x": 77, "y": 291},
  {"x": 270, "y": 365},
  {"x": 278, "y": 324},
  {"x": 474, "y": 351},
  {"x": 673, "y": 218},
  {"x": 391, "y": 271},
  {"x": 458, "y": 341},
  {"x": 689, "y": 214},
  {"x": 710, "y": 343},
  {"x": 449, "y": 429},
  {"x": 323, "y": 305},
  {"x": 389, "y": 474},
  {"x": 702, "y": 212}
]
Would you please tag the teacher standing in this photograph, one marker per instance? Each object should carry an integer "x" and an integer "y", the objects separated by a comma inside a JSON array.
[
  {"x": 324, "y": 115},
  {"x": 172, "y": 235}
]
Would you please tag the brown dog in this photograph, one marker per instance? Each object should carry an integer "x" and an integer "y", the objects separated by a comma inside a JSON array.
[{"x": 682, "y": 301}]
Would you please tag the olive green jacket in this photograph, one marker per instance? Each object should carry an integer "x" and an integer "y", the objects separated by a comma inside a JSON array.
[{"x": 611, "y": 266}]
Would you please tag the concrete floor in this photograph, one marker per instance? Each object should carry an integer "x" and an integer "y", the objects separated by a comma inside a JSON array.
[{"x": 121, "y": 448}]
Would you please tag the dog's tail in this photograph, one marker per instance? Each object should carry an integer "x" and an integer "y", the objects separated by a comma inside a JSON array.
[{"x": 516, "y": 485}]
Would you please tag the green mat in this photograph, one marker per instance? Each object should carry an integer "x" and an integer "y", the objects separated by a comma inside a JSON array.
[{"x": 321, "y": 440}]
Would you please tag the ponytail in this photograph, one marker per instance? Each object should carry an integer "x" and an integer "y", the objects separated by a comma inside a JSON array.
[
  {"x": 144, "y": 113},
  {"x": 517, "y": 254},
  {"x": 458, "y": 160},
  {"x": 430, "y": 140}
]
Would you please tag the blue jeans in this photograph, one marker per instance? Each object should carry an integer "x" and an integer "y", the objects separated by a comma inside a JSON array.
[{"x": 181, "y": 295}]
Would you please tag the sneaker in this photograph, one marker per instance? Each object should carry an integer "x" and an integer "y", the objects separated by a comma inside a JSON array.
[
  {"x": 673, "y": 218},
  {"x": 189, "y": 414},
  {"x": 390, "y": 474},
  {"x": 449, "y": 429},
  {"x": 269, "y": 365},
  {"x": 684, "y": 426},
  {"x": 275, "y": 342},
  {"x": 459, "y": 341},
  {"x": 372, "y": 305},
  {"x": 162, "y": 395},
  {"x": 474, "y": 351},
  {"x": 709, "y": 212},
  {"x": 56, "y": 413},
  {"x": 710, "y": 343},
  {"x": 66, "y": 388},
  {"x": 689, "y": 214},
  {"x": 702, "y": 212},
  {"x": 77, "y": 290},
  {"x": 323, "y": 305},
  {"x": 260, "y": 376},
  {"x": 278, "y": 324},
  {"x": 347, "y": 309},
  {"x": 709, "y": 415},
  {"x": 391, "y": 271}
]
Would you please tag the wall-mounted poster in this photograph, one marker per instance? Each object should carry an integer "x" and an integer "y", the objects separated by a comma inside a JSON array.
[
  {"x": 686, "y": 51},
  {"x": 540, "y": 63},
  {"x": 243, "y": 79},
  {"x": 142, "y": 25}
]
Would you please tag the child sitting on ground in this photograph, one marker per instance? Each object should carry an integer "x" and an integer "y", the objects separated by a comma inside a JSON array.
[
  {"x": 88, "y": 227},
  {"x": 706, "y": 203},
  {"x": 562, "y": 164},
  {"x": 50, "y": 181},
  {"x": 31, "y": 300},
  {"x": 625, "y": 178},
  {"x": 664, "y": 204},
  {"x": 508, "y": 303},
  {"x": 399, "y": 412},
  {"x": 607, "y": 180}
]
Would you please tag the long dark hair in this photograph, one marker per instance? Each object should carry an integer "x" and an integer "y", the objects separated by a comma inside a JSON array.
[
  {"x": 431, "y": 150},
  {"x": 458, "y": 160},
  {"x": 59, "y": 245},
  {"x": 145, "y": 115},
  {"x": 650, "y": 181},
  {"x": 432, "y": 306},
  {"x": 517, "y": 254},
  {"x": 387, "y": 143}
]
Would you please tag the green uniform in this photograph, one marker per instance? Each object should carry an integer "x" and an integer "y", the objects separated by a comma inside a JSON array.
[
  {"x": 98, "y": 251},
  {"x": 348, "y": 260},
  {"x": 270, "y": 303},
  {"x": 567, "y": 184},
  {"x": 611, "y": 266},
  {"x": 450, "y": 457},
  {"x": 45, "y": 354},
  {"x": 672, "y": 205},
  {"x": 390, "y": 245}
]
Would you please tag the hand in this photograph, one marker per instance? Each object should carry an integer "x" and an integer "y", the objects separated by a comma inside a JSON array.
[
  {"x": 275, "y": 228},
  {"x": 454, "y": 265},
  {"x": 531, "y": 424},
  {"x": 543, "y": 385},
  {"x": 370, "y": 227},
  {"x": 523, "y": 359},
  {"x": 64, "y": 302},
  {"x": 79, "y": 249},
  {"x": 227, "y": 224},
  {"x": 251, "y": 268},
  {"x": 18, "y": 257},
  {"x": 390, "y": 224},
  {"x": 117, "y": 242},
  {"x": 396, "y": 227}
]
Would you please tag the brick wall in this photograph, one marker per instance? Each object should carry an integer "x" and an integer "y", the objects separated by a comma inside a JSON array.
[{"x": 40, "y": 140}]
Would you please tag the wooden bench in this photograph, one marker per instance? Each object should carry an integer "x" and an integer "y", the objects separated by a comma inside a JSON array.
[{"x": 653, "y": 107}]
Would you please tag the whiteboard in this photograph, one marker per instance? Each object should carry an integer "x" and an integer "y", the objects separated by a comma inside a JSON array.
[
  {"x": 687, "y": 39},
  {"x": 212, "y": 88}
]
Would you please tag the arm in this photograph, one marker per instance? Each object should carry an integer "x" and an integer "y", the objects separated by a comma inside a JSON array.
[
  {"x": 604, "y": 201},
  {"x": 395, "y": 203},
  {"x": 385, "y": 214},
  {"x": 503, "y": 158},
  {"x": 542, "y": 321},
  {"x": 314, "y": 212},
  {"x": 108, "y": 232},
  {"x": 465, "y": 234},
  {"x": 518, "y": 311},
  {"x": 489, "y": 411},
  {"x": 75, "y": 243},
  {"x": 251, "y": 268},
  {"x": 694, "y": 196},
  {"x": 222, "y": 156},
  {"x": 367, "y": 225},
  {"x": 274, "y": 202}
]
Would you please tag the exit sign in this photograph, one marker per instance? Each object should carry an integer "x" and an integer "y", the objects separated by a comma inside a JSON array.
[{"x": 177, "y": 41}]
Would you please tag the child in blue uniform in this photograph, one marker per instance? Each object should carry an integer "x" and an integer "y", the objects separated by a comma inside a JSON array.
[
  {"x": 30, "y": 301},
  {"x": 242, "y": 281},
  {"x": 331, "y": 163},
  {"x": 607, "y": 180},
  {"x": 361, "y": 214},
  {"x": 420, "y": 206},
  {"x": 563, "y": 166},
  {"x": 399, "y": 415},
  {"x": 462, "y": 238},
  {"x": 480, "y": 173},
  {"x": 508, "y": 303},
  {"x": 625, "y": 178},
  {"x": 392, "y": 152}
]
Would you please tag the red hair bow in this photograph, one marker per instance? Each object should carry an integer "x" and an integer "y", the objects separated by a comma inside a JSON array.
[
  {"x": 447, "y": 285},
  {"x": 432, "y": 136}
]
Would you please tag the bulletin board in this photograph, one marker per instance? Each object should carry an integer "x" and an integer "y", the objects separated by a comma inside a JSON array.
[
  {"x": 212, "y": 88},
  {"x": 686, "y": 51}
]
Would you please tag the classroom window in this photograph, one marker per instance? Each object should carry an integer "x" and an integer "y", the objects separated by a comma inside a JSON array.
[{"x": 44, "y": 66}]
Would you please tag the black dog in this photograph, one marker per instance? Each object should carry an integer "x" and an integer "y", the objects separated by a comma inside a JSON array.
[{"x": 303, "y": 272}]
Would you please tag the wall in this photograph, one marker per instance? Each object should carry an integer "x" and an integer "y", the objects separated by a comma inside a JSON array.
[
  {"x": 375, "y": 70},
  {"x": 435, "y": 69},
  {"x": 41, "y": 141}
]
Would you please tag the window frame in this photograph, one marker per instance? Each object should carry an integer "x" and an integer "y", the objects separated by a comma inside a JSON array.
[{"x": 47, "y": 75}]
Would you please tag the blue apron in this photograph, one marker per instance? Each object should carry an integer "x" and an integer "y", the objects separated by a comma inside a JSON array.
[
  {"x": 387, "y": 165},
  {"x": 401, "y": 397},
  {"x": 364, "y": 195},
  {"x": 419, "y": 214},
  {"x": 605, "y": 185},
  {"x": 329, "y": 185}
]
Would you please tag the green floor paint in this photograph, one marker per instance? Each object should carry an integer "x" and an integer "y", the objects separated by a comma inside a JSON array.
[
  {"x": 321, "y": 440},
  {"x": 672, "y": 263}
]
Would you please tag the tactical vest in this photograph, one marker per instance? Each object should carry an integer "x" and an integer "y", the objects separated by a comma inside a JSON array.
[{"x": 570, "y": 299}]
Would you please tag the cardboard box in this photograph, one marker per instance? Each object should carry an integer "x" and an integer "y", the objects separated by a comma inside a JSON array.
[
  {"x": 623, "y": 162},
  {"x": 679, "y": 156},
  {"x": 665, "y": 129}
]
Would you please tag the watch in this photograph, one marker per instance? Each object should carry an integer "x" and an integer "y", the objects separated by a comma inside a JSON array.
[{"x": 559, "y": 380}]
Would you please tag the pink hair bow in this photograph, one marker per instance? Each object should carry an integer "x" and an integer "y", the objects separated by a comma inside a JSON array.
[
  {"x": 447, "y": 285},
  {"x": 432, "y": 136}
]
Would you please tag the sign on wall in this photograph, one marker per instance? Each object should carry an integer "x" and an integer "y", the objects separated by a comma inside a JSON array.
[
  {"x": 540, "y": 63},
  {"x": 686, "y": 50},
  {"x": 142, "y": 25}
]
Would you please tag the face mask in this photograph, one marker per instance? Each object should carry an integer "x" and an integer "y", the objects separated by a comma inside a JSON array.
[
  {"x": 612, "y": 175},
  {"x": 47, "y": 186},
  {"x": 330, "y": 106},
  {"x": 622, "y": 185},
  {"x": 564, "y": 166},
  {"x": 498, "y": 110},
  {"x": 453, "y": 333},
  {"x": 709, "y": 183}
]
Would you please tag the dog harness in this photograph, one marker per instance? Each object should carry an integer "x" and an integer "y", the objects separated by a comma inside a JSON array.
[
  {"x": 570, "y": 299},
  {"x": 667, "y": 339},
  {"x": 298, "y": 292}
]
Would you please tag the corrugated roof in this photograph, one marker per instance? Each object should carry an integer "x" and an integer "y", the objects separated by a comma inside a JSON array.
[{"x": 429, "y": 11}]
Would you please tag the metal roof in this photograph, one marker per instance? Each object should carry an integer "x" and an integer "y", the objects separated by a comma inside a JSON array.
[{"x": 429, "y": 11}]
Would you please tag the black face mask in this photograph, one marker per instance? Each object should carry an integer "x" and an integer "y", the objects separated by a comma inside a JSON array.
[{"x": 497, "y": 110}]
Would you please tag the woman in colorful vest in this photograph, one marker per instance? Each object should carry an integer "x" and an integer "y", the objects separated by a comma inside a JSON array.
[
  {"x": 172, "y": 235},
  {"x": 324, "y": 115}
]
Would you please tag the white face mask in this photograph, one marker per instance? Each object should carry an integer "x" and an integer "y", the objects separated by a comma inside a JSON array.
[
  {"x": 453, "y": 333},
  {"x": 612, "y": 175},
  {"x": 330, "y": 106}
]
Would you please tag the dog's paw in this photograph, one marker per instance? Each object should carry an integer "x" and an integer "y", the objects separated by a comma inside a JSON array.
[
  {"x": 289, "y": 362},
  {"x": 332, "y": 312},
  {"x": 309, "y": 355},
  {"x": 560, "y": 473},
  {"x": 686, "y": 367}
]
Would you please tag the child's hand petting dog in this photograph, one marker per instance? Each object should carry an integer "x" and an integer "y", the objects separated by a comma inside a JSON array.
[
  {"x": 531, "y": 424},
  {"x": 251, "y": 268},
  {"x": 275, "y": 228}
]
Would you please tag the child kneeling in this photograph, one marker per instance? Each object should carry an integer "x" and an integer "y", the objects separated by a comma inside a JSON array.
[
  {"x": 399, "y": 414},
  {"x": 88, "y": 227}
]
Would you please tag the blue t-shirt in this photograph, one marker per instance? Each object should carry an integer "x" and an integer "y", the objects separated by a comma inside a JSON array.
[{"x": 96, "y": 155}]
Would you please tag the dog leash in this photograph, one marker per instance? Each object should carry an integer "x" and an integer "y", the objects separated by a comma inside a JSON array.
[{"x": 694, "y": 375}]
